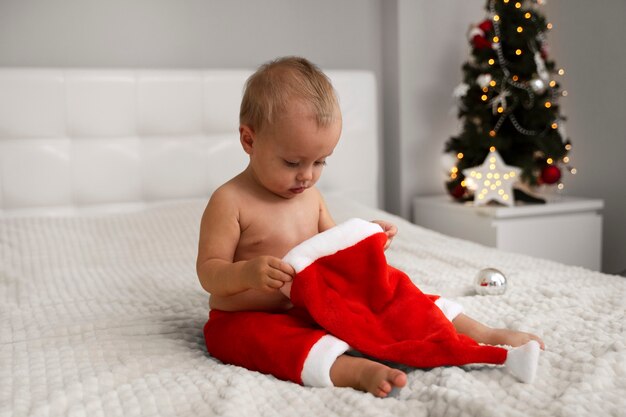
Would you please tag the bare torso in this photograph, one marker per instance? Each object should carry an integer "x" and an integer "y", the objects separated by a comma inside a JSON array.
[{"x": 270, "y": 225}]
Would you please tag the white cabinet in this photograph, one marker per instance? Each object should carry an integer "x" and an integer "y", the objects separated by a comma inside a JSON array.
[{"x": 565, "y": 229}]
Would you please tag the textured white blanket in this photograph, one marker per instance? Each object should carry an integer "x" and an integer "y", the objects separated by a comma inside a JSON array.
[{"x": 102, "y": 315}]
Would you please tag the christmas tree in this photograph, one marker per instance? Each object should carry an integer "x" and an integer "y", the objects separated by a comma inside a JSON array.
[{"x": 509, "y": 100}]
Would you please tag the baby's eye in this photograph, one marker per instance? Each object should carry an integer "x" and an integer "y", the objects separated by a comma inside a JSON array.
[
  {"x": 291, "y": 164},
  {"x": 320, "y": 163}
]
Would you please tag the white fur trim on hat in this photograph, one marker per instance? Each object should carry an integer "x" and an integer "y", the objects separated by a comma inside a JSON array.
[
  {"x": 330, "y": 241},
  {"x": 449, "y": 308}
]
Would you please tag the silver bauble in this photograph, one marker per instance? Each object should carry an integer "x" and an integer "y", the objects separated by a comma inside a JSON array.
[
  {"x": 490, "y": 281},
  {"x": 537, "y": 85}
]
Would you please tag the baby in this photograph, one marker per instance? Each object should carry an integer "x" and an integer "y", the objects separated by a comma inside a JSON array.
[{"x": 290, "y": 123}]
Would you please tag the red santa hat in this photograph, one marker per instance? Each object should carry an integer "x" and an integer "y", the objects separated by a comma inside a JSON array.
[{"x": 344, "y": 282}]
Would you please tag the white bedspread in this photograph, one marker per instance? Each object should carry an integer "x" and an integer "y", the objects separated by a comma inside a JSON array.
[{"x": 102, "y": 315}]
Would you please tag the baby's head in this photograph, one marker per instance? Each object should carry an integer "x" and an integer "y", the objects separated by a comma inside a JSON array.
[
  {"x": 276, "y": 85},
  {"x": 290, "y": 123}
]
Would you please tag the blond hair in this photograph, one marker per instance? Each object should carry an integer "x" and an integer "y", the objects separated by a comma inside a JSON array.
[{"x": 270, "y": 89}]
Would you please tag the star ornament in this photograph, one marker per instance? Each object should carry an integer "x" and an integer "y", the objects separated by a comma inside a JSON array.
[{"x": 493, "y": 180}]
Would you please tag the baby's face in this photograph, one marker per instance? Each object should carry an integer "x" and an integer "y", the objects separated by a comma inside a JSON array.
[{"x": 289, "y": 155}]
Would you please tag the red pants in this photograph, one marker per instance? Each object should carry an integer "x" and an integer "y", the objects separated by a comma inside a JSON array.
[{"x": 288, "y": 345}]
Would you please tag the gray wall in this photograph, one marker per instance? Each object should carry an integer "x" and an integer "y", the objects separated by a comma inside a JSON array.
[
  {"x": 415, "y": 47},
  {"x": 588, "y": 40},
  {"x": 188, "y": 33},
  {"x": 430, "y": 38}
]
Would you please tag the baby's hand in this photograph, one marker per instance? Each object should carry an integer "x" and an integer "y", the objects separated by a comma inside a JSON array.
[
  {"x": 267, "y": 273},
  {"x": 390, "y": 230}
]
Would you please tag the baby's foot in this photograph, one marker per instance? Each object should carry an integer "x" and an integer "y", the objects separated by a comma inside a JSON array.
[
  {"x": 512, "y": 338},
  {"x": 366, "y": 375},
  {"x": 379, "y": 379}
]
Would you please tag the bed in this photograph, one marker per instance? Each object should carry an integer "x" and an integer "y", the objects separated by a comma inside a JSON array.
[{"x": 104, "y": 174}]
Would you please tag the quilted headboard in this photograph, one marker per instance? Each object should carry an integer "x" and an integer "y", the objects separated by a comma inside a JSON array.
[{"x": 87, "y": 138}]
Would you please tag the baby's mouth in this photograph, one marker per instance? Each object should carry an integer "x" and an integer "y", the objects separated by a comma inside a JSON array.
[{"x": 298, "y": 190}]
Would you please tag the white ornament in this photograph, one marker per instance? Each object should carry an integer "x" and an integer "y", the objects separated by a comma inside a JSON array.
[
  {"x": 483, "y": 80},
  {"x": 493, "y": 180},
  {"x": 537, "y": 85},
  {"x": 562, "y": 131},
  {"x": 541, "y": 68},
  {"x": 460, "y": 91},
  {"x": 448, "y": 162}
]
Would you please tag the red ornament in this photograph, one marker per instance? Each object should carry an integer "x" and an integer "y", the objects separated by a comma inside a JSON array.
[
  {"x": 480, "y": 42},
  {"x": 458, "y": 191},
  {"x": 550, "y": 174},
  {"x": 486, "y": 25}
]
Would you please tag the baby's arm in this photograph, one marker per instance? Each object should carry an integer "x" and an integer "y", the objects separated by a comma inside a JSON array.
[{"x": 219, "y": 237}]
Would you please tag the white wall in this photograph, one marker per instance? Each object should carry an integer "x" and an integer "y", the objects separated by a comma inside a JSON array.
[{"x": 416, "y": 47}]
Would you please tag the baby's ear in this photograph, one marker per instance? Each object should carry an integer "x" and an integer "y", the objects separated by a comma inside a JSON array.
[{"x": 246, "y": 137}]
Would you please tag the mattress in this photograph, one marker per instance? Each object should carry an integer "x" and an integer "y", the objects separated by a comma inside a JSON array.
[{"x": 101, "y": 314}]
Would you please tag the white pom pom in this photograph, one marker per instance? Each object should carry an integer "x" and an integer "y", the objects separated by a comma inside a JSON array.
[
  {"x": 460, "y": 91},
  {"x": 522, "y": 361},
  {"x": 483, "y": 80}
]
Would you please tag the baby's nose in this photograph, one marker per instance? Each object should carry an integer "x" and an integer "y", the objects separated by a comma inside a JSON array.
[{"x": 305, "y": 174}]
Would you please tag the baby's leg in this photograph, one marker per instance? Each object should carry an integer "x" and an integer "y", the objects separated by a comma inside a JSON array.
[
  {"x": 485, "y": 334},
  {"x": 366, "y": 375}
]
